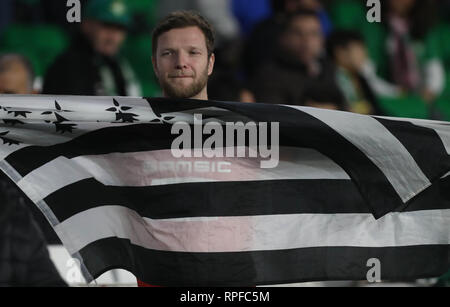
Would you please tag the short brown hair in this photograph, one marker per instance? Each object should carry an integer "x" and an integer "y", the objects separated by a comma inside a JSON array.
[{"x": 184, "y": 19}]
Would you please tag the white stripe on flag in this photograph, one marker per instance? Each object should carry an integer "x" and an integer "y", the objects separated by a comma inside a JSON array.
[
  {"x": 51, "y": 177},
  {"x": 380, "y": 146},
  {"x": 153, "y": 168},
  {"x": 255, "y": 233}
]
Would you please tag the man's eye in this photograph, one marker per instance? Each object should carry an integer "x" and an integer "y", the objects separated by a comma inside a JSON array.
[
  {"x": 166, "y": 53},
  {"x": 195, "y": 52}
]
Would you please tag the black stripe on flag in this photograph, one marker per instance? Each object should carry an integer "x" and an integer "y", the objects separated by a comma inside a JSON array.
[
  {"x": 212, "y": 199},
  {"x": 420, "y": 141},
  {"x": 264, "y": 267},
  {"x": 132, "y": 138}
]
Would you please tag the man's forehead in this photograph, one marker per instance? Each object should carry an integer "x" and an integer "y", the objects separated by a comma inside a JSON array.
[{"x": 182, "y": 37}]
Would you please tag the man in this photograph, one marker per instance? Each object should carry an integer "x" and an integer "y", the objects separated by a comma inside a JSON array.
[
  {"x": 183, "y": 57},
  {"x": 16, "y": 75},
  {"x": 91, "y": 65},
  {"x": 299, "y": 73},
  {"x": 24, "y": 258},
  {"x": 261, "y": 45}
]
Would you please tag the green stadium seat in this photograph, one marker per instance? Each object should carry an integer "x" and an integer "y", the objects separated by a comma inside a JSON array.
[
  {"x": 348, "y": 14},
  {"x": 42, "y": 43},
  {"x": 410, "y": 106},
  {"x": 144, "y": 14},
  {"x": 443, "y": 103}
]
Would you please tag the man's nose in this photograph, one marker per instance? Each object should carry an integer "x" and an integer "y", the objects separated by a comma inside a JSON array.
[{"x": 181, "y": 60}]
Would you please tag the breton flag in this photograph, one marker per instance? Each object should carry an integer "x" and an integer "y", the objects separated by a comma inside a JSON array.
[{"x": 292, "y": 194}]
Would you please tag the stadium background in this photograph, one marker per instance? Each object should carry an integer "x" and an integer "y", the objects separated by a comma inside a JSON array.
[{"x": 39, "y": 30}]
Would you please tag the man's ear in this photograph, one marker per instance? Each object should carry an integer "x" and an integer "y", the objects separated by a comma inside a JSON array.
[{"x": 211, "y": 61}]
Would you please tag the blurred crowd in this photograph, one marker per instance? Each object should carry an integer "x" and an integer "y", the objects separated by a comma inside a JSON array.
[{"x": 300, "y": 52}]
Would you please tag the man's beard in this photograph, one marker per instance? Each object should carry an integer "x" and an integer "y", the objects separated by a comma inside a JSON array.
[{"x": 179, "y": 91}]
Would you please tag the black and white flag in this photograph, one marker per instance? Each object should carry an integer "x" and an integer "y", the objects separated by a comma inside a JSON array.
[{"x": 206, "y": 193}]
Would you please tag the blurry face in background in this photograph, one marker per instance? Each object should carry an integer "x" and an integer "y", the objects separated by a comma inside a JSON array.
[
  {"x": 295, "y": 5},
  {"x": 401, "y": 7},
  {"x": 181, "y": 63},
  {"x": 15, "y": 80},
  {"x": 352, "y": 57},
  {"x": 304, "y": 39},
  {"x": 106, "y": 39}
]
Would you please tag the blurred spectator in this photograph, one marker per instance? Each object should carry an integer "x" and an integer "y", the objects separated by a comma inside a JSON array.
[
  {"x": 261, "y": 45},
  {"x": 409, "y": 22},
  {"x": 291, "y": 6},
  {"x": 24, "y": 258},
  {"x": 349, "y": 52},
  {"x": 91, "y": 65},
  {"x": 251, "y": 12},
  {"x": 405, "y": 48},
  {"x": 217, "y": 12},
  {"x": 225, "y": 83},
  {"x": 299, "y": 73},
  {"x": 6, "y": 13},
  {"x": 16, "y": 75}
]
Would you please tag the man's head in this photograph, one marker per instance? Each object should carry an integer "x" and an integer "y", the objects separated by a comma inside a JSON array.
[
  {"x": 183, "y": 57},
  {"x": 303, "y": 36},
  {"x": 16, "y": 75},
  {"x": 401, "y": 7},
  {"x": 348, "y": 50},
  {"x": 105, "y": 24},
  {"x": 291, "y": 6}
]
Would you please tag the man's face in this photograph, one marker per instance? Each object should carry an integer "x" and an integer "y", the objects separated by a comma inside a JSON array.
[
  {"x": 357, "y": 54},
  {"x": 304, "y": 39},
  {"x": 295, "y": 5},
  {"x": 181, "y": 63},
  {"x": 106, "y": 39},
  {"x": 15, "y": 80},
  {"x": 401, "y": 7},
  {"x": 352, "y": 57}
]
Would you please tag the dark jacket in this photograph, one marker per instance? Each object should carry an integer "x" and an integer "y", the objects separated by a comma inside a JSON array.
[
  {"x": 283, "y": 80},
  {"x": 24, "y": 258},
  {"x": 78, "y": 72}
]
